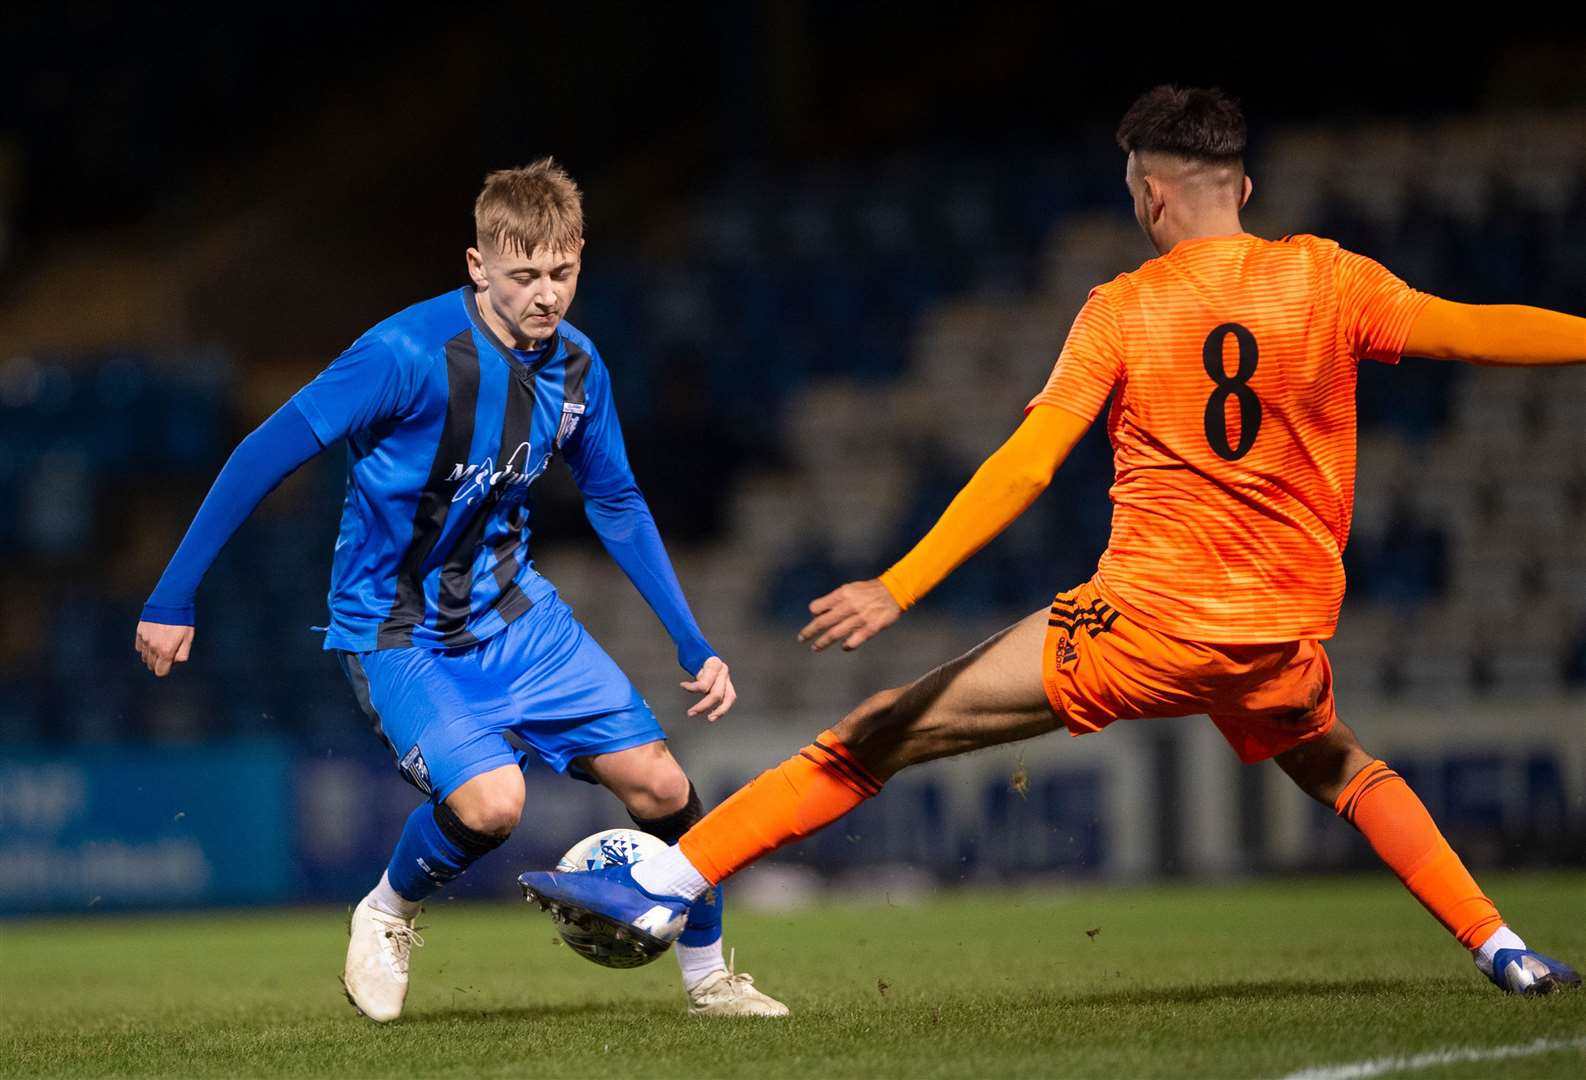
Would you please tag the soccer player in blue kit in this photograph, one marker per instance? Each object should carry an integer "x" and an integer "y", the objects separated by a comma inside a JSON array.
[{"x": 465, "y": 659}]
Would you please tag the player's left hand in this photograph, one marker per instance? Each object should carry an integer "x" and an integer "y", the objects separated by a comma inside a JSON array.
[
  {"x": 160, "y": 646},
  {"x": 715, "y": 682},
  {"x": 852, "y": 615}
]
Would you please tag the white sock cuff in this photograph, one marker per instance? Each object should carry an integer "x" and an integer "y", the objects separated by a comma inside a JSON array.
[
  {"x": 698, "y": 961},
  {"x": 384, "y": 898},
  {"x": 670, "y": 874},
  {"x": 1487, "y": 951}
]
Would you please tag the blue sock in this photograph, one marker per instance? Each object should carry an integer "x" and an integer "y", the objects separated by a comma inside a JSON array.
[
  {"x": 704, "y": 920},
  {"x": 435, "y": 848}
]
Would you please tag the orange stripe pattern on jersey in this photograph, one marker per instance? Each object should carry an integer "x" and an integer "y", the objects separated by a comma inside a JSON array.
[{"x": 1232, "y": 365}]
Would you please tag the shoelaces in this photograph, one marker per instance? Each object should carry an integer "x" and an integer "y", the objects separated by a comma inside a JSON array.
[{"x": 400, "y": 942}]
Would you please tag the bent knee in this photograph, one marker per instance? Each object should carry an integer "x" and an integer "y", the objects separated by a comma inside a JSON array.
[
  {"x": 492, "y": 818},
  {"x": 1323, "y": 767},
  {"x": 493, "y": 809},
  {"x": 662, "y": 791}
]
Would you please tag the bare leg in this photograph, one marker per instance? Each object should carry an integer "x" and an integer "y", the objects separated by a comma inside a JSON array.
[
  {"x": 1324, "y": 766},
  {"x": 992, "y": 694},
  {"x": 647, "y": 779}
]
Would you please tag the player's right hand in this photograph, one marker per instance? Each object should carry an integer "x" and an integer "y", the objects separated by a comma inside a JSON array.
[
  {"x": 852, "y": 615},
  {"x": 160, "y": 646},
  {"x": 714, "y": 681}
]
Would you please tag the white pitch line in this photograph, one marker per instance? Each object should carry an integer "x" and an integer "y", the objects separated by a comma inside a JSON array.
[{"x": 1360, "y": 1070}]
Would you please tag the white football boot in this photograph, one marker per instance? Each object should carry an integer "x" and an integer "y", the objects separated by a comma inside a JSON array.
[
  {"x": 726, "y": 992},
  {"x": 378, "y": 950}
]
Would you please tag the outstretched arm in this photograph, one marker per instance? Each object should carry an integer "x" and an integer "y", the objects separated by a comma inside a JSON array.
[
  {"x": 1001, "y": 490},
  {"x": 266, "y": 457},
  {"x": 598, "y": 458},
  {"x": 622, "y": 520},
  {"x": 1498, "y": 335},
  {"x": 365, "y": 384}
]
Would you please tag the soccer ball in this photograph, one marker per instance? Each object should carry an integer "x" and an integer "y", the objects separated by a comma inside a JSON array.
[{"x": 600, "y": 942}]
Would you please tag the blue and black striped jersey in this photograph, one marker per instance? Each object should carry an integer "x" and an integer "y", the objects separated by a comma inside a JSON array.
[{"x": 447, "y": 427}]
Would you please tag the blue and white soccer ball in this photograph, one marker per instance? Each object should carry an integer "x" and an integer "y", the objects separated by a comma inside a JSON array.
[{"x": 597, "y": 942}]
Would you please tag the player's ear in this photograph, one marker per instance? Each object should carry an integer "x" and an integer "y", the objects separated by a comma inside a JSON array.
[
  {"x": 1156, "y": 198},
  {"x": 476, "y": 268},
  {"x": 1248, "y": 188}
]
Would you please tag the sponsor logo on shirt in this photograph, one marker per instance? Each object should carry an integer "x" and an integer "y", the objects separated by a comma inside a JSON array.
[{"x": 476, "y": 481}]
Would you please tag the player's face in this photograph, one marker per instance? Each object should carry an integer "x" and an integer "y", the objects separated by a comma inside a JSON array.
[{"x": 524, "y": 297}]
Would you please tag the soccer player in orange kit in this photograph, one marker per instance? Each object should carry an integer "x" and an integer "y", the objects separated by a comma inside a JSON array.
[{"x": 1231, "y": 362}]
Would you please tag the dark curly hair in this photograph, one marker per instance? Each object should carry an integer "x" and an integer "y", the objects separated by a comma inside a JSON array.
[{"x": 1203, "y": 125}]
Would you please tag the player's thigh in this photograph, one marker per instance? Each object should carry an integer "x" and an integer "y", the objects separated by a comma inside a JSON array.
[{"x": 992, "y": 694}]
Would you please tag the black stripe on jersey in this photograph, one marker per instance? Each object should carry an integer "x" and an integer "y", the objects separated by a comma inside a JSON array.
[
  {"x": 574, "y": 374},
  {"x": 454, "y": 602},
  {"x": 435, "y": 501},
  {"x": 512, "y": 601}
]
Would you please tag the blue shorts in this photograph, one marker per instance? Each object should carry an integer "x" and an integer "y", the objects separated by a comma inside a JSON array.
[{"x": 541, "y": 686}]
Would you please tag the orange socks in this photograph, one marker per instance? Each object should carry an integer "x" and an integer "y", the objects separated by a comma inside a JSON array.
[
  {"x": 805, "y": 793},
  {"x": 823, "y": 782},
  {"x": 1381, "y": 805}
]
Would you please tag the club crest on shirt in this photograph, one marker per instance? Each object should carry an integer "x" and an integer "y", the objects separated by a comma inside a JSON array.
[
  {"x": 571, "y": 415},
  {"x": 415, "y": 769}
]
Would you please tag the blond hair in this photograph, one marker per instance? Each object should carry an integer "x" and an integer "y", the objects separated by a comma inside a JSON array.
[{"x": 529, "y": 208}]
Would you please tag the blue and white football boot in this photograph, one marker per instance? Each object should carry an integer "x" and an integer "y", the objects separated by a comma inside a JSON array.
[
  {"x": 609, "y": 902},
  {"x": 1523, "y": 971}
]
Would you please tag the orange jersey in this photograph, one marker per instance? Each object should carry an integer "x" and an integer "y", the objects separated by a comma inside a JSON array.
[{"x": 1233, "y": 428}]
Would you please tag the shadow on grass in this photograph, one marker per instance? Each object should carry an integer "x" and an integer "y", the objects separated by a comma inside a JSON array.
[
  {"x": 1272, "y": 990},
  {"x": 1275, "y": 990},
  {"x": 627, "y": 1011}
]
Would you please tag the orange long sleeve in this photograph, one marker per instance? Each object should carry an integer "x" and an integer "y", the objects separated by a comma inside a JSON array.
[
  {"x": 1001, "y": 490},
  {"x": 1497, "y": 334}
]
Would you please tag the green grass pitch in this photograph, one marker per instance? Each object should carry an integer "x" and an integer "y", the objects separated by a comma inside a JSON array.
[{"x": 1181, "y": 981}]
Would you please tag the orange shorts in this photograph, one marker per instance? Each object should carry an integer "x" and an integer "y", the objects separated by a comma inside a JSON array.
[{"x": 1099, "y": 666}]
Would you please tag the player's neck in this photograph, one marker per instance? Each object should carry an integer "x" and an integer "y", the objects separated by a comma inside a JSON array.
[
  {"x": 504, "y": 332},
  {"x": 1198, "y": 228}
]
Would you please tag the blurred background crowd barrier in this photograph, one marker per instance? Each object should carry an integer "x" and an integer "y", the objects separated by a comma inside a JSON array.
[{"x": 826, "y": 290}]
